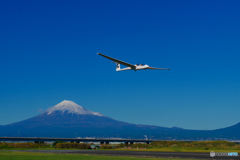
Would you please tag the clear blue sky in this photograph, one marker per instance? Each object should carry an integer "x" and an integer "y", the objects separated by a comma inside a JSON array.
[{"x": 48, "y": 54}]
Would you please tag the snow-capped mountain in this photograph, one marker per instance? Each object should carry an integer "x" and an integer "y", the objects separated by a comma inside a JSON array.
[
  {"x": 71, "y": 107},
  {"x": 68, "y": 119}
]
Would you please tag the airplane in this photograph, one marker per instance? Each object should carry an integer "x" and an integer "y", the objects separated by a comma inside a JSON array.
[{"x": 130, "y": 66}]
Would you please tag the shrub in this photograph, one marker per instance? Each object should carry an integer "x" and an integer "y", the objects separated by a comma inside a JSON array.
[
  {"x": 104, "y": 146},
  {"x": 174, "y": 145},
  {"x": 72, "y": 146},
  {"x": 4, "y": 146},
  {"x": 121, "y": 145},
  {"x": 56, "y": 142},
  {"x": 23, "y": 145},
  {"x": 139, "y": 145}
]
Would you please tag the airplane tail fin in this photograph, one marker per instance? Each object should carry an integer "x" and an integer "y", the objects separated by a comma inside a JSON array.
[{"x": 117, "y": 66}]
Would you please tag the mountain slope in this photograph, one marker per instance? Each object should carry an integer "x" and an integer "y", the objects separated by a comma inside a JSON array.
[{"x": 67, "y": 119}]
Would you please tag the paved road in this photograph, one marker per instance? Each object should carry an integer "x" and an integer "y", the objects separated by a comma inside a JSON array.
[{"x": 193, "y": 155}]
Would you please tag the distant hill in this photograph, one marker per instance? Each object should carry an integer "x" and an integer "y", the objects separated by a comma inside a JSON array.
[{"x": 67, "y": 119}]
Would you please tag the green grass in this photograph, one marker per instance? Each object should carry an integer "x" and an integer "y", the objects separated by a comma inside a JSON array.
[{"x": 7, "y": 155}]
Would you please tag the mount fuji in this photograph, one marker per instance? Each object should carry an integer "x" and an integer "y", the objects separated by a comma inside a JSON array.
[
  {"x": 71, "y": 107},
  {"x": 67, "y": 119}
]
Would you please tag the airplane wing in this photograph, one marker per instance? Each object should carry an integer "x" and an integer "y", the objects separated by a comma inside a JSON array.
[
  {"x": 118, "y": 61},
  {"x": 158, "y": 68}
]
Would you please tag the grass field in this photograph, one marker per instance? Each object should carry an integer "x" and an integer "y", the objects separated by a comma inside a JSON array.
[{"x": 8, "y": 155}]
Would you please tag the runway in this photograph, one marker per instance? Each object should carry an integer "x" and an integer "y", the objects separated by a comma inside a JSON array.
[{"x": 191, "y": 155}]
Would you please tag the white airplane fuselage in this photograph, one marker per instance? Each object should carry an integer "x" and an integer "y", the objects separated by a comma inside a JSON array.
[{"x": 138, "y": 67}]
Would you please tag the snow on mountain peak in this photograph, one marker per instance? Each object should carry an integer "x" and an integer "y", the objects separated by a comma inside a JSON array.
[{"x": 71, "y": 107}]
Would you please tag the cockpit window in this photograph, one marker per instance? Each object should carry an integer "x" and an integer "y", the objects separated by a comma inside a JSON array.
[{"x": 140, "y": 64}]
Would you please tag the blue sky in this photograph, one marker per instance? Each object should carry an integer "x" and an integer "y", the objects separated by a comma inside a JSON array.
[{"x": 48, "y": 54}]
